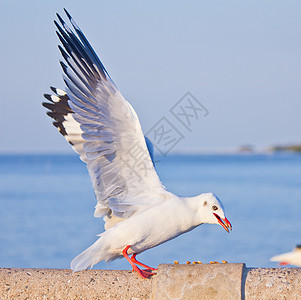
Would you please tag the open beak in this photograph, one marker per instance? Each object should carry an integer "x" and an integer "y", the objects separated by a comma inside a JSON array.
[{"x": 224, "y": 223}]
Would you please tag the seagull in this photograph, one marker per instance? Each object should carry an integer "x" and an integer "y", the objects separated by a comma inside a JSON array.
[
  {"x": 289, "y": 258},
  {"x": 104, "y": 129}
]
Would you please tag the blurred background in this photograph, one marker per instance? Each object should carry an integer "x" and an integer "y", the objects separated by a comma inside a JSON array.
[{"x": 240, "y": 60}]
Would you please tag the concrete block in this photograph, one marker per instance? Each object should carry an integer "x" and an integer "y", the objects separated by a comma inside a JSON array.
[
  {"x": 206, "y": 281},
  {"x": 64, "y": 284},
  {"x": 273, "y": 284}
]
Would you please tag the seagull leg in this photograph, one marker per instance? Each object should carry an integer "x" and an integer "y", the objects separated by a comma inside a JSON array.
[
  {"x": 133, "y": 259},
  {"x": 142, "y": 273}
]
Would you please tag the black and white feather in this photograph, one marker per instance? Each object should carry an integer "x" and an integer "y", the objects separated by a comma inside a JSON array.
[{"x": 103, "y": 129}]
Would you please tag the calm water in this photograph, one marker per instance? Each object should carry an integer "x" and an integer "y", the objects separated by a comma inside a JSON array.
[{"x": 47, "y": 206}]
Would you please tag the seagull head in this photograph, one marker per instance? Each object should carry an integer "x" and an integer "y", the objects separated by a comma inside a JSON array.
[{"x": 212, "y": 211}]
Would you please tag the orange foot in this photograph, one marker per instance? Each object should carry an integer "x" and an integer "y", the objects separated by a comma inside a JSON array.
[{"x": 143, "y": 273}]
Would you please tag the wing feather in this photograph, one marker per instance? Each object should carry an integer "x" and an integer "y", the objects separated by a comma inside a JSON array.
[{"x": 104, "y": 129}]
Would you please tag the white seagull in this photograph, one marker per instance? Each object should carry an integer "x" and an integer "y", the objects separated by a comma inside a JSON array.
[
  {"x": 103, "y": 128},
  {"x": 289, "y": 258}
]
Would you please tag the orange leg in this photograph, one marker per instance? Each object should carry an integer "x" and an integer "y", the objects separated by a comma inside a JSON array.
[
  {"x": 142, "y": 273},
  {"x": 133, "y": 259}
]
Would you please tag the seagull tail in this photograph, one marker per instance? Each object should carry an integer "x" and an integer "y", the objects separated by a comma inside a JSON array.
[{"x": 88, "y": 258}]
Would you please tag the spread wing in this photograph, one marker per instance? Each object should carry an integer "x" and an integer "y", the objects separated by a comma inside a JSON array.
[{"x": 104, "y": 130}]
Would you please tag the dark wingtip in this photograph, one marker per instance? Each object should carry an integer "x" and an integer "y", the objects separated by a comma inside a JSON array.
[
  {"x": 68, "y": 15},
  {"x": 63, "y": 65},
  {"x": 48, "y": 105},
  {"x": 63, "y": 52},
  {"x": 48, "y": 97},
  {"x": 60, "y": 36},
  {"x": 60, "y": 19},
  {"x": 53, "y": 89},
  {"x": 56, "y": 24}
]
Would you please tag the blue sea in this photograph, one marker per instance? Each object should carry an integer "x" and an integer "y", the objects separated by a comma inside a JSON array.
[{"x": 47, "y": 205}]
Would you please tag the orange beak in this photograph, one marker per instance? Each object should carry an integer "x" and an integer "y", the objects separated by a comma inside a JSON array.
[{"x": 224, "y": 223}]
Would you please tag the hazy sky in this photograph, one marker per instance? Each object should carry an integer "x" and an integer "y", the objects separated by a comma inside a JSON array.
[{"x": 240, "y": 59}]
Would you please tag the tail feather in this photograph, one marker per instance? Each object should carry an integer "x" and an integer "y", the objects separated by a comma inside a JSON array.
[{"x": 88, "y": 258}]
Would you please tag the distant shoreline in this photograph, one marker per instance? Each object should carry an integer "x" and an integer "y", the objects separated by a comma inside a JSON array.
[{"x": 289, "y": 148}]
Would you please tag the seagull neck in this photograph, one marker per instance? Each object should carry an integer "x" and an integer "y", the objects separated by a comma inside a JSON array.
[{"x": 193, "y": 205}]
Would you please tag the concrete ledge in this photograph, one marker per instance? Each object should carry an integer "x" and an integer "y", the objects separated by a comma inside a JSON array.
[
  {"x": 64, "y": 284},
  {"x": 273, "y": 283},
  {"x": 217, "y": 281}
]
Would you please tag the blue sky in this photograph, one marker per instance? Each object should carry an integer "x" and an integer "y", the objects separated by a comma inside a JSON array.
[{"x": 241, "y": 60}]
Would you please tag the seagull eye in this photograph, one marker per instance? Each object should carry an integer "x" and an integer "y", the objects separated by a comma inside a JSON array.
[{"x": 214, "y": 207}]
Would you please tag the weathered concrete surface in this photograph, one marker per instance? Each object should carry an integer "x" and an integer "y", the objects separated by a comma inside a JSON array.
[
  {"x": 64, "y": 284},
  {"x": 273, "y": 284},
  {"x": 206, "y": 281}
]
